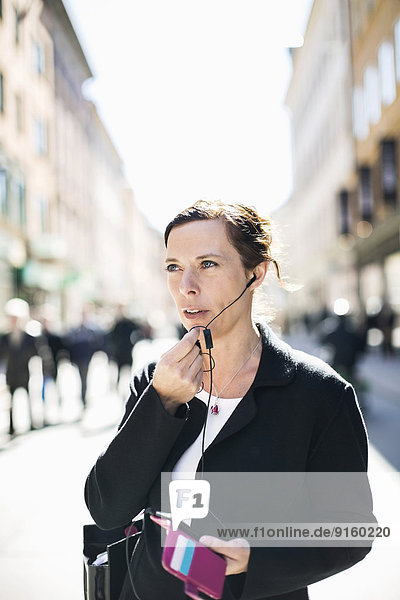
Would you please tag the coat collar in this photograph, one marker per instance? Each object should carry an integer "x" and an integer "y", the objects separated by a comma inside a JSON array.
[{"x": 277, "y": 364}]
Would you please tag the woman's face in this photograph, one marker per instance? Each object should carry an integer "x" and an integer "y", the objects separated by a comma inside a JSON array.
[{"x": 205, "y": 274}]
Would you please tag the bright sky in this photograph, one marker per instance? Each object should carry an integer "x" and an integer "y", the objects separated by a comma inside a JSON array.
[{"x": 192, "y": 95}]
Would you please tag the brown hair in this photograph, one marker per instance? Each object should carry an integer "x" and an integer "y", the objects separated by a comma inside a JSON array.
[{"x": 249, "y": 233}]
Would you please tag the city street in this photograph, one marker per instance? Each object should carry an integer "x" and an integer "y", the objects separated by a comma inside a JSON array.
[{"x": 42, "y": 507}]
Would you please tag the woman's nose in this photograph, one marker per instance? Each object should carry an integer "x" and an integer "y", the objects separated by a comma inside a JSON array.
[{"x": 189, "y": 283}]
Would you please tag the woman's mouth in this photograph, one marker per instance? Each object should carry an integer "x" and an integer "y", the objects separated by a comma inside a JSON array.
[{"x": 193, "y": 313}]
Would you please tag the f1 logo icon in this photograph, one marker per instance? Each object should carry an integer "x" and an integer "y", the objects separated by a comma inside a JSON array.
[{"x": 189, "y": 499}]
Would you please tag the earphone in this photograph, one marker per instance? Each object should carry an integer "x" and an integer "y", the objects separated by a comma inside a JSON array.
[{"x": 252, "y": 280}]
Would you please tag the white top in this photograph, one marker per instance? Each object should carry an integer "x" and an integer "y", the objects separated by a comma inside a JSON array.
[{"x": 186, "y": 466}]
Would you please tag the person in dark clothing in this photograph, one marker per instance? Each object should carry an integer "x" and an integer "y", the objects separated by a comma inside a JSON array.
[
  {"x": 259, "y": 406},
  {"x": 82, "y": 343},
  {"x": 51, "y": 350},
  {"x": 122, "y": 339},
  {"x": 347, "y": 344},
  {"x": 385, "y": 322},
  {"x": 57, "y": 348},
  {"x": 17, "y": 348}
]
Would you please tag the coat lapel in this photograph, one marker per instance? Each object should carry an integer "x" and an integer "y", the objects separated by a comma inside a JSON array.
[
  {"x": 241, "y": 416},
  {"x": 192, "y": 428},
  {"x": 277, "y": 367}
]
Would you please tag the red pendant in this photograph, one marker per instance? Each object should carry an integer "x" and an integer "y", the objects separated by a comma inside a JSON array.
[{"x": 214, "y": 410}]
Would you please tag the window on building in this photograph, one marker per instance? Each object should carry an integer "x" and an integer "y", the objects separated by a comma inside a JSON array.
[
  {"x": 12, "y": 197},
  {"x": 3, "y": 192},
  {"x": 38, "y": 58},
  {"x": 360, "y": 123},
  {"x": 389, "y": 171},
  {"x": 1, "y": 92},
  {"x": 372, "y": 95},
  {"x": 366, "y": 200},
  {"x": 386, "y": 72},
  {"x": 40, "y": 136},
  {"x": 397, "y": 47},
  {"x": 16, "y": 201},
  {"x": 12, "y": 207},
  {"x": 344, "y": 213},
  {"x": 21, "y": 201},
  {"x": 19, "y": 116},
  {"x": 44, "y": 214},
  {"x": 17, "y": 26}
]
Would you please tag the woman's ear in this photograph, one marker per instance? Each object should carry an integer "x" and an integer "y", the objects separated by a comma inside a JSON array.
[{"x": 259, "y": 272}]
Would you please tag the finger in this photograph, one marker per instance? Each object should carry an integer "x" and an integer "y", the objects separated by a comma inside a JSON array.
[
  {"x": 217, "y": 545},
  {"x": 194, "y": 372},
  {"x": 184, "y": 346},
  {"x": 176, "y": 344},
  {"x": 192, "y": 357},
  {"x": 232, "y": 567},
  {"x": 229, "y": 548},
  {"x": 197, "y": 374},
  {"x": 184, "y": 365},
  {"x": 197, "y": 365}
]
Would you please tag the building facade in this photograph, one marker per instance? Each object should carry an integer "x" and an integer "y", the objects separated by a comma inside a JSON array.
[
  {"x": 375, "y": 212},
  {"x": 27, "y": 140},
  {"x": 67, "y": 216},
  {"x": 342, "y": 220},
  {"x": 318, "y": 99}
]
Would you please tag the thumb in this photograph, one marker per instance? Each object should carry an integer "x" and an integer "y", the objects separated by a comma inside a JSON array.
[
  {"x": 209, "y": 540},
  {"x": 219, "y": 546}
]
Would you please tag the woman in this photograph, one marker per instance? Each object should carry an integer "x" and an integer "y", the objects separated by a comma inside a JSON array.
[{"x": 272, "y": 409}]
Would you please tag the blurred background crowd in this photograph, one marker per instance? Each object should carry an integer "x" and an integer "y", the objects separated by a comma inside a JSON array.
[{"x": 28, "y": 337}]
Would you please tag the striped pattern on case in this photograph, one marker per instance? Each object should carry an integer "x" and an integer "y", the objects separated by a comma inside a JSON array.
[{"x": 183, "y": 555}]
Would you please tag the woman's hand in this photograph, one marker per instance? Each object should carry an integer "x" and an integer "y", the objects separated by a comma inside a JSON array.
[
  {"x": 236, "y": 552},
  {"x": 179, "y": 372}
]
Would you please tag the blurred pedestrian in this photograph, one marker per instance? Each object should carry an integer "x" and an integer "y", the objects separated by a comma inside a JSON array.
[
  {"x": 82, "y": 343},
  {"x": 122, "y": 339},
  {"x": 385, "y": 322},
  {"x": 51, "y": 349},
  {"x": 17, "y": 347},
  {"x": 308, "y": 322},
  {"x": 347, "y": 345}
]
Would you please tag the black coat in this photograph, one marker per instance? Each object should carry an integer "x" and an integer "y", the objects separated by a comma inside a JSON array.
[
  {"x": 17, "y": 358},
  {"x": 122, "y": 339},
  {"x": 298, "y": 415},
  {"x": 82, "y": 342}
]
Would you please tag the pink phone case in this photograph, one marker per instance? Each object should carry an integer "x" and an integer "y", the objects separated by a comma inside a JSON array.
[{"x": 201, "y": 569}]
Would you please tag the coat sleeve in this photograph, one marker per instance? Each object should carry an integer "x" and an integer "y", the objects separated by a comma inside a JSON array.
[
  {"x": 117, "y": 486},
  {"x": 340, "y": 447}
]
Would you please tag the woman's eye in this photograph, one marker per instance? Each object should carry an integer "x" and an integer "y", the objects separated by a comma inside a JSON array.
[
  {"x": 206, "y": 264},
  {"x": 171, "y": 268}
]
